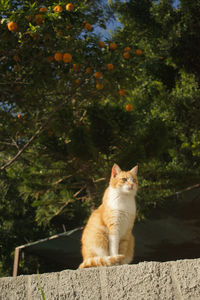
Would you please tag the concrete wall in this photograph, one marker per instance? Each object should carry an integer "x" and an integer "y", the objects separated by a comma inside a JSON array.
[{"x": 144, "y": 281}]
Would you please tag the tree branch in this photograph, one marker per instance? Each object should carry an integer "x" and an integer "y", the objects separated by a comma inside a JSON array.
[
  {"x": 37, "y": 133},
  {"x": 69, "y": 201},
  {"x": 19, "y": 153}
]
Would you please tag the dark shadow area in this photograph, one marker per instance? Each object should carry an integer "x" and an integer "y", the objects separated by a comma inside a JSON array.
[{"x": 171, "y": 232}]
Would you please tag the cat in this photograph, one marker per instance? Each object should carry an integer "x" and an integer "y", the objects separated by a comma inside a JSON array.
[{"x": 107, "y": 238}]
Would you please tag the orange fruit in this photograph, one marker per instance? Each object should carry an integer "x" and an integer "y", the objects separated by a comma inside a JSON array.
[
  {"x": 16, "y": 68},
  {"x": 88, "y": 27},
  {"x": 50, "y": 58},
  {"x": 76, "y": 81},
  {"x": 129, "y": 107},
  {"x": 101, "y": 44},
  {"x": 122, "y": 92},
  {"x": 58, "y": 56},
  {"x": 39, "y": 19},
  {"x": 67, "y": 57},
  {"x": 88, "y": 70},
  {"x": 138, "y": 52},
  {"x": 97, "y": 75},
  {"x": 110, "y": 67},
  {"x": 127, "y": 49},
  {"x": 12, "y": 26},
  {"x": 75, "y": 67},
  {"x": 43, "y": 9},
  {"x": 113, "y": 46},
  {"x": 57, "y": 8},
  {"x": 16, "y": 58},
  {"x": 99, "y": 86},
  {"x": 126, "y": 55},
  {"x": 70, "y": 7}
]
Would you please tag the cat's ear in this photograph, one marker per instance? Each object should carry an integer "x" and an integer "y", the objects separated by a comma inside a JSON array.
[
  {"x": 115, "y": 170},
  {"x": 134, "y": 171}
]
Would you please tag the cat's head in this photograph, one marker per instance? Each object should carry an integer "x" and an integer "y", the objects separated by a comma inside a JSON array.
[{"x": 124, "y": 181}]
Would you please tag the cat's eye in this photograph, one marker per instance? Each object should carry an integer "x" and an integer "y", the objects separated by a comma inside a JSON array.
[{"x": 124, "y": 179}]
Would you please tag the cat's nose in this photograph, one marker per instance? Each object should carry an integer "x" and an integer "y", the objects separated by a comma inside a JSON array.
[{"x": 131, "y": 185}]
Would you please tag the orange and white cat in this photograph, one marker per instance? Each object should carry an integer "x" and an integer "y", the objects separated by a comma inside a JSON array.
[{"x": 107, "y": 238}]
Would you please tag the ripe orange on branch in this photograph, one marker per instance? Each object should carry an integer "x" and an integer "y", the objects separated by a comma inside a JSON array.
[
  {"x": 101, "y": 44},
  {"x": 113, "y": 46},
  {"x": 57, "y": 8},
  {"x": 99, "y": 86},
  {"x": 138, "y": 52},
  {"x": 12, "y": 26},
  {"x": 97, "y": 75},
  {"x": 88, "y": 27},
  {"x": 43, "y": 9},
  {"x": 110, "y": 67},
  {"x": 67, "y": 57},
  {"x": 70, "y": 7},
  {"x": 75, "y": 67},
  {"x": 122, "y": 92},
  {"x": 127, "y": 49},
  {"x": 39, "y": 19},
  {"x": 126, "y": 55},
  {"x": 88, "y": 70},
  {"x": 58, "y": 56},
  {"x": 129, "y": 107},
  {"x": 16, "y": 68},
  {"x": 76, "y": 81}
]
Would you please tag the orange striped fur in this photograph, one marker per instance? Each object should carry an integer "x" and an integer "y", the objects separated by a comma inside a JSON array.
[{"x": 107, "y": 238}]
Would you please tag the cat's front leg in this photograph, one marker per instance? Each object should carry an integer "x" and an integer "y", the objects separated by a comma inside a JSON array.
[{"x": 114, "y": 244}]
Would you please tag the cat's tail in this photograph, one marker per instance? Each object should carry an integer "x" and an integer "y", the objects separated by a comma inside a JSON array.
[{"x": 99, "y": 261}]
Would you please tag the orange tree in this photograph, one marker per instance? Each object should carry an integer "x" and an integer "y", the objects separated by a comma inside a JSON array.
[
  {"x": 64, "y": 114},
  {"x": 55, "y": 73}
]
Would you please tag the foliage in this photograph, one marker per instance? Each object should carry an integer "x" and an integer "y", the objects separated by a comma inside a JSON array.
[{"x": 62, "y": 129}]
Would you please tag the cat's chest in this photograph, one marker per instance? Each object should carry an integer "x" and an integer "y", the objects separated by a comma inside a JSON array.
[
  {"x": 123, "y": 203},
  {"x": 123, "y": 212}
]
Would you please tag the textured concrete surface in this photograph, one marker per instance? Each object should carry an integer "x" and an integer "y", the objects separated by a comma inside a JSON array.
[{"x": 145, "y": 281}]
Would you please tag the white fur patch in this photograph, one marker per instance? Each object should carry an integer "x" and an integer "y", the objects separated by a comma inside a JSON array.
[
  {"x": 113, "y": 244},
  {"x": 117, "y": 200},
  {"x": 124, "y": 211}
]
